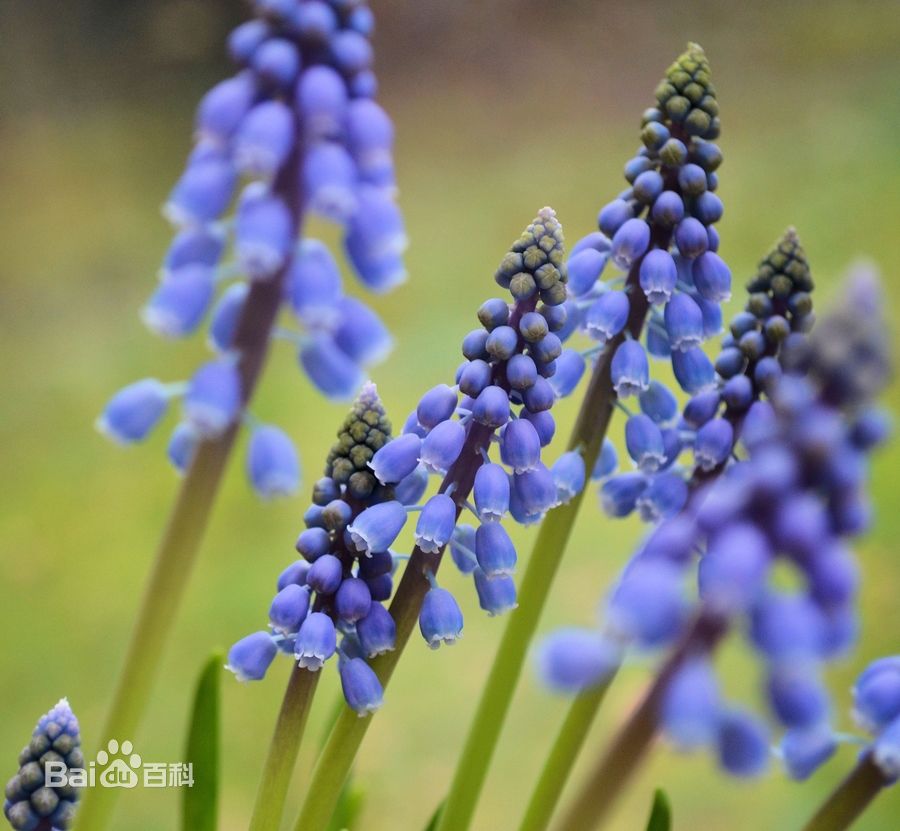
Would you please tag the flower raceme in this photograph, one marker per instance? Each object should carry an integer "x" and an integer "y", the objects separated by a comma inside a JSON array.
[
  {"x": 30, "y": 802},
  {"x": 296, "y": 130}
]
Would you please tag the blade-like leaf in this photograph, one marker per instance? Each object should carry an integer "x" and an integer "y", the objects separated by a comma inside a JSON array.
[
  {"x": 433, "y": 822},
  {"x": 199, "y": 806},
  {"x": 348, "y": 809},
  {"x": 661, "y": 814}
]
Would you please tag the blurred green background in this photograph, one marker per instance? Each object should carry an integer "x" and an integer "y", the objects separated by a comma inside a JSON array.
[{"x": 501, "y": 108}]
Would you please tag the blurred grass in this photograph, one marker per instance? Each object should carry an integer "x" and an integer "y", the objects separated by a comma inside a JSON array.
[{"x": 506, "y": 109}]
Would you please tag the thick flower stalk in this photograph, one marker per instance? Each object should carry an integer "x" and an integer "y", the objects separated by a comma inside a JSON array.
[
  {"x": 659, "y": 234},
  {"x": 657, "y": 439},
  {"x": 34, "y": 803},
  {"x": 295, "y": 131},
  {"x": 796, "y": 500},
  {"x": 501, "y": 402},
  {"x": 876, "y": 709}
]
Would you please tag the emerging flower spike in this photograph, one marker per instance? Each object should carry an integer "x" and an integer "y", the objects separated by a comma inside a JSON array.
[
  {"x": 345, "y": 576},
  {"x": 295, "y": 129},
  {"x": 34, "y": 802}
]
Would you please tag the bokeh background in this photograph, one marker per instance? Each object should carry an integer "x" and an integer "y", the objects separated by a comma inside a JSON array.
[{"x": 501, "y": 107}]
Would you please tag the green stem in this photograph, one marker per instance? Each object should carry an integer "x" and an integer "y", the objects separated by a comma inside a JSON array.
[
  {"x": 561, "y": 760},
  {"x": 553, "y": 536},
  {"x": 283, "y": 750},
  {"x": 177, "y": 551},
  {"x": 848, "y": 801},
  {"x": 608, "y": 779}
]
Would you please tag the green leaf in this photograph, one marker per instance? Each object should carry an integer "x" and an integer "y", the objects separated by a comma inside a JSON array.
[
  {"x": 661, "y": 813},
  {"x": 199, "y": 806},
  {"x": 435, "y": 817},
  {"x": 349, "y": 807}
]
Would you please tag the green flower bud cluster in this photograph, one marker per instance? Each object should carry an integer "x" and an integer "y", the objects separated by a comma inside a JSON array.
[
  {"x": 535, "y": 262},
  {"x": 782, "y": 285},
  {"x": 687, "y": 97}
]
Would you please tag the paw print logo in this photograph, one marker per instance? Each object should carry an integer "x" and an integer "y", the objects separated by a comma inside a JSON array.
[{"x": 120, "y": 764}]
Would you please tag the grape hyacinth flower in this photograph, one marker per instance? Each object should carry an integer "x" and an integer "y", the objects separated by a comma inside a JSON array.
[
  {"x": 295, "y": 130},
  {"x": 345, "y": 574},
  {"x": 33, "y": 801}
]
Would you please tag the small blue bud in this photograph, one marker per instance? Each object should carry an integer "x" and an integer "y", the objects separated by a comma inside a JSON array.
[
  {"x": 668, "y": 209},
  {"x": 203, "y": 192},
  {"x": 647, "y": 186},
  {"x": 246, "y": 39},
  {"x": 397, "y": 459},
  {"x": 797, "y": 695},
  {"x": 619, "y": 494},
  {"x": 264, "y": 139},
  {"x": 658, "y": 342},
  {"x": 805, "y": 751},
  {"x": 569, "y": 476},
  {"x": 572, "y": 660},
  {"x": 474, "y": 345},
  {"x": 712, "y": 278},
  {"x": 195, "y": 246},
  {"x": 658, "y": 276},
  {"x": 364, "y": 85},
  {"x": 672, "y": 445},
  {"x": 330, "y": 369},
  {"x": 442, "y": 446},
  {"x": 377, "y": 631},
  {"x": 226, "y": 316},
  {"x": 360, "y": 333},
  {"x": 787, "y": 627},
  {"x": 263, "y": 233},
  {"x": 316, "y": 641},
  {"x": 708, "y": 208},
  {"x": 381, "y": 587},
  {"x": 737, "y": 393},
  {"x": 223, "y": 108},
  {"x": 313, "y": 543},
  {"x": 713, "y": 444},
  {"x": 182, "y": 447},
  {"x": 351, "y": 52},
  {"x": 543, "y": 423},
  {"x": 658, "y": 402},
  {"x": 436, "y": 523},
  {"x": 325, "y": 574},
  {"x": 502, "y": 342},
  {"x": 410, "y": 489},
  {"x": 329, "y": 176},
  {"x": 180, "y": 302},
  {"x": 684, "y": 322},
  {"x": 743, "y": 744},
  {"x": 380, "y": 562},
  {"x": 250, "y": 657},
  {"x": 801, "y": 525},
  {"x": 730, "y": 362},
  {"x": 584, "y": 269},
  {"x": 630, "y": 243},
  {"x": 871, "y": 429},
  {"x": 277, "y": 62},
  {"x": 496, "y": 595},
  {"x": 712, "y": 317},
  {"x": 134, "y": 411},
  {"x": 664, "y": 497},
  {"x": 547, "y": 349},
  {"x": 539, "y": 397},
  {"x": 691, "y": 238},
  {"x": 289, "y": 609},
  {"x": 294, "y": 574},
  {"x": 536, "y": 490},
  {"x": 272, "y": 464},
  {"x": 370, "y": 137},
  {"x": 361, "y": 687},
  {"x": 607, "y": 461},
  {"x": 314, "y": 285},
  {"x": 362, "y": 20},
  {"x": 693, "y": 370},
  {"x": 630, "y": 369},
  {"x": 760, "y": 425},
  {"x": 691, "y": 707},
  {"x": 213, "y": 398},
  {"x": 352, "y": 600},
  {"x": 376, "y": 528},
  {"x": 607, "y": 316},
  {"x": 474, "y": 377},
  {"x": 521, "y": 372},
  {"x": 322, "y": 102},
  {"x": 491, "y": 491},
  {"x": 648, "y": 605},
  {"x": 733, "y": 571},
  {"x": 876, "y": 694},
  {"x": 675, "y": 540},
  {"x": 376, "y": 240},
  {"x": 462, "y": 549},
  {"x": 886, "y": 751},
  {"x": 520, "y": 445},
  {"x": 613, "y": 216},
  {"x": 411, "y": 425},
  {"x": 494, "y": 550},
  {"x": 570, "y": 367},
  {"x": 644, "y": 442},
  {"x": 491, "y": 407},
  {"x": 316, "y": 21},
  {"x": 692, "y": 179},
  {"x": 440, "y": 619}
]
